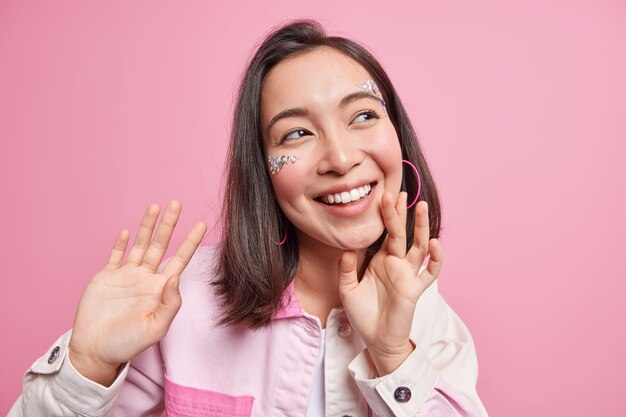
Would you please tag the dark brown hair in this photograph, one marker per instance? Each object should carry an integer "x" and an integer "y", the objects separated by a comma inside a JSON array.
[{"x": 252, "y": 271}]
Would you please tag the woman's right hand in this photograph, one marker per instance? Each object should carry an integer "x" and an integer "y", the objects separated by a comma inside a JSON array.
[{"x": 127, "y": 306}]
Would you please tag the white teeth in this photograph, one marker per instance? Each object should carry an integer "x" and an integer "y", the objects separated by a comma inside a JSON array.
[{"x": 347, "y": 196}]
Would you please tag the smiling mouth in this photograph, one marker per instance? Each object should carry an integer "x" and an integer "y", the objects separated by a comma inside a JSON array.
[{"x": 346, "y": 197}]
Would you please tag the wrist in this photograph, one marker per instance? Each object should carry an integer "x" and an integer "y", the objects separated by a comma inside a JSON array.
[
  {"x": 96, "y": 371},
  {"x": 388, "y": 360}
]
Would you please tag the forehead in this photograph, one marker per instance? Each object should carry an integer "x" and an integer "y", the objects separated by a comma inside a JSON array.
[{"x": 320, "y": 76}]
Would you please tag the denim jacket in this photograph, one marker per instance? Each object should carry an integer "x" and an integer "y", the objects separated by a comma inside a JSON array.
[{"x": 201, "y": 369}]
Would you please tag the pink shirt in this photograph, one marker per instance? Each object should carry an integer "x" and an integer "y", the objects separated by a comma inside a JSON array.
[{"x": 200, "y": 369}]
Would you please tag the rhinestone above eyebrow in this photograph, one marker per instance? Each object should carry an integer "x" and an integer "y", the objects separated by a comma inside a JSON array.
[{"x": 371, "y": 86}]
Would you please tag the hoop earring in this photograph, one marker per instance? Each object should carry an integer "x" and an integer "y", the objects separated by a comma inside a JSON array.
[
  {"x": 419, "y": 183},
  {"x": 282, "y": 242}
]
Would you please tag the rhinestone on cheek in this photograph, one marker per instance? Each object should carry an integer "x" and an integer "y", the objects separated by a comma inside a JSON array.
[{"x": 276, "y": 163}]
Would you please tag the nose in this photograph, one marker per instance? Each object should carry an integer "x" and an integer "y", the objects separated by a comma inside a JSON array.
[{"x": 340, "y": 153}]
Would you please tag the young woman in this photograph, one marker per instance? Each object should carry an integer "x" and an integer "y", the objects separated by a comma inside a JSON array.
[{"x": 321, "y": 299}]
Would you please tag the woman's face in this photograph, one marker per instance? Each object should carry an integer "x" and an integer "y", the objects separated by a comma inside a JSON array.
[{"x": 342, "y": 146}]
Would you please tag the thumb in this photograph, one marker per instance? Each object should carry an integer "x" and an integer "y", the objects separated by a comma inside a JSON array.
[
  {"x": 170, "y": 301},
  {"x": 348, "y": 279}
]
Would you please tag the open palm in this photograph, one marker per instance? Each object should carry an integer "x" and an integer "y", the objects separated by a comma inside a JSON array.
[{"x": 128, "y": 306}]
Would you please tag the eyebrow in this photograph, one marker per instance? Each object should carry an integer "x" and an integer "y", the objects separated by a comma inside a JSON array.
[{"x": 299, "y": 111}]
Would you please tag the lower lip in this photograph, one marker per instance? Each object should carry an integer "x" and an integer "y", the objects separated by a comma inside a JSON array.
[{"x": 351, "y": 209}]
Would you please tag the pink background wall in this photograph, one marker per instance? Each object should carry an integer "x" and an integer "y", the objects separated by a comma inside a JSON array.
[{"x": 105, "y": 108}]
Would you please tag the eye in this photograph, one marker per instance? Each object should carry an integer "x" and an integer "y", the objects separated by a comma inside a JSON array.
[
  {"x": 294, "y": 134},
  {"x": 365, "y": 116}
]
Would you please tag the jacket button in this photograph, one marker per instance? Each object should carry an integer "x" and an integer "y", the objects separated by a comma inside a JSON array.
[
  {"x": 402, "y": 394},
  {"x": 54, "y": 355},
  {"x": 344, "y": 330}
]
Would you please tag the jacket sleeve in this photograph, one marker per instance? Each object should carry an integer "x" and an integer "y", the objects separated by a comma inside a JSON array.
[
  {"x": 53, "y": 387},
  {"x": 436, "y": 380}
]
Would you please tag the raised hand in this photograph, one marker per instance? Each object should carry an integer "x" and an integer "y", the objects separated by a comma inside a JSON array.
[
  {"x": 127, "y": 306},
  {"x": 381, "y": 306}
]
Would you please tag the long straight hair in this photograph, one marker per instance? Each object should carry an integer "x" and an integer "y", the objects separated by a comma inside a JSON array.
[{"x": 252, "y": 271}]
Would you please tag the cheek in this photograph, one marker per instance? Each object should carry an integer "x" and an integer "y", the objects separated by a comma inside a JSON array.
[
  {"x": 289, "y": 179},
  {"x": 388, "y": 155},
  {"x": 288, "y": 183}
]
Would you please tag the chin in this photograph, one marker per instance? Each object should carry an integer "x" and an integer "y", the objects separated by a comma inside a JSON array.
[
  {"x": 358, "y": 241},
  {"x": 355, "y": 246},
  {"x": 348, "y": 237}
]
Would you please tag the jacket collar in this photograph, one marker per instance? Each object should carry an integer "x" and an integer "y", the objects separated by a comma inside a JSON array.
[{"x": 290, "y": 307}]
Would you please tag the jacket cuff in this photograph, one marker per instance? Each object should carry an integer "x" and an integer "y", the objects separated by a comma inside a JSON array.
[
  {"x": 400, "y": 393},
  {"x": 72, "y": 389}
]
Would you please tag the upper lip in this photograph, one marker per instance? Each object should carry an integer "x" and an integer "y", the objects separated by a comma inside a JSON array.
[{"x": 338, "y": 189}]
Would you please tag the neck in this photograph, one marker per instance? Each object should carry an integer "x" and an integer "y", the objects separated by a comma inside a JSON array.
[{"x": 316, "y": 282}]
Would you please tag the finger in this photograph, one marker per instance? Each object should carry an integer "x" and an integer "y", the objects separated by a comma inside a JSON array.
[
  {"x": 421, "y": 234},
  {"x": 155, "y": 252},
  {"x": 181, "y": 258},
  {"x": 430, "y": 274},
  {"x": 396, "y": 245},
  {"x": 402, "y": 211},
  {"x": 348, "y": 279},
  {"x": 117, "y": 253},
  {"x": 385, "y": 244},
  {"x": 170, "y": 304},
  {"x": 142, "y": 240}
]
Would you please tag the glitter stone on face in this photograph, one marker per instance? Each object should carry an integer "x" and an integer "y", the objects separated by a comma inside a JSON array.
[
  {"x": 276, "y": 163},
  {"x": 371, "y": 86}
]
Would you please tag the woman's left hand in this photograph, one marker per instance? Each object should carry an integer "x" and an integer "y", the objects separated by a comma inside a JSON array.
[{"x": 381, "y": 306}]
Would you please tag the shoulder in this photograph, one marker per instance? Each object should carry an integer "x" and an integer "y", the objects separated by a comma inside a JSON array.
[
  {"x": 203, "y": 260},
  {"x": 429, "y": 302},
  {"x": 201, "y": 263},
  {"x": 429, "y": 313},
  {"x": 197, "y": 277}
]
